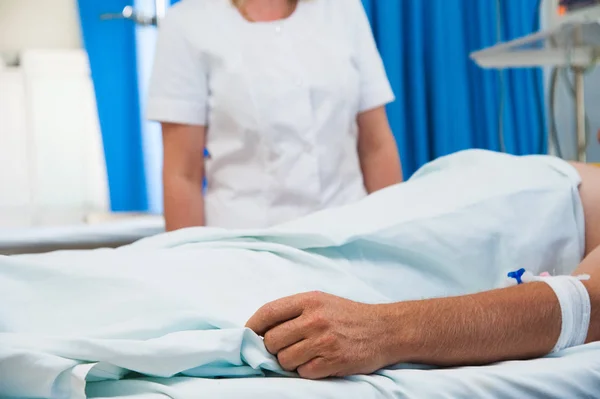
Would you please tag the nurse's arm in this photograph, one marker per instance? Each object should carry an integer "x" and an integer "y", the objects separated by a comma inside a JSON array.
[
  {"x": 183, "y": 172},
  {"x": 377, "y": 151}
]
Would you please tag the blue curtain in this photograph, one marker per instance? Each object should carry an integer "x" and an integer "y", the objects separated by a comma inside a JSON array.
[
  {"x": 112, "y": 53},
  {"x": 445, "y": 102}
]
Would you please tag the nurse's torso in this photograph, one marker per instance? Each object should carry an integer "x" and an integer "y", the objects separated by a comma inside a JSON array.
[{"x": 283, "y": 101}]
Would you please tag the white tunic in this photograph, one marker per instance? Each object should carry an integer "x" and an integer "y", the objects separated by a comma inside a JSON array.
[{"x": 279, "y": 99}]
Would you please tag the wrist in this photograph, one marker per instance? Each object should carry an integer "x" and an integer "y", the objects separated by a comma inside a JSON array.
[{"x": 400, "y": 332}]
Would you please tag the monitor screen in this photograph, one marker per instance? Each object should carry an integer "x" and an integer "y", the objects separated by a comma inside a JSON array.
[{"x": 573, "y": 5}]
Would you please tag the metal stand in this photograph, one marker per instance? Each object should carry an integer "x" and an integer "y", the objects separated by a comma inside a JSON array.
[
  {"x": 572, "y": 42},
  {"x": 580, "y": 120}
]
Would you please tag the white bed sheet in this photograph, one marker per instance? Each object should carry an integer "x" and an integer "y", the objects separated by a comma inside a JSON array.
[
  {"x": 576, "y": 374},
  {"x": 154, "y": 307}
]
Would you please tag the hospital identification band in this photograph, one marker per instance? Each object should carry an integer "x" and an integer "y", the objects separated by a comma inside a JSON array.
[
  {"x": 575, "y": 309},
  {"x": 575, "y": 305}
]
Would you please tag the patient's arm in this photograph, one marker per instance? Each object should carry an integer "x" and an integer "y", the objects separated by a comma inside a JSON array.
[
  {"x": 514, "y": 323},
  {"x": 321, "y": 335},
  {"x": 520, "y": 322}
]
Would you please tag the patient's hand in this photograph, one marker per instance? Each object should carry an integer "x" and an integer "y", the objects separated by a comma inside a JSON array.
[{"x": 320, "y": 335}]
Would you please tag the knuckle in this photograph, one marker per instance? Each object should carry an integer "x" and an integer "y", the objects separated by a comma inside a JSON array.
[
  {"x": 314, "y": 322},
  {"x": 267, "y": 310},
  {"x": 317, "y": 294},
  {"x": 313, "y": 370},
  {"x": 285, "y": 362},
  {"x": 317, "y": 321},
  {"x": 314, "y": 298},
  {"x": 270, "y": 343},
  {"x": 328, "y": 341},
  {"x": 307, "y": 373}
]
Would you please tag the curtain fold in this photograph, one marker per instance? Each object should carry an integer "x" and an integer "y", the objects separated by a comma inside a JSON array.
[
  {"x": 111, "y": 48},
  {"x": 445, "y": 102}
]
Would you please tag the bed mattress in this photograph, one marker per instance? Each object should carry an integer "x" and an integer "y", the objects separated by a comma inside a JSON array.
[
  {"x": 575, "y": 374},
  {"x": 79, "y": 236}
]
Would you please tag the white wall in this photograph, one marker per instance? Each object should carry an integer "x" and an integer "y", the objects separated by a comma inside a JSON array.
[{"x": 39, "y": 24}]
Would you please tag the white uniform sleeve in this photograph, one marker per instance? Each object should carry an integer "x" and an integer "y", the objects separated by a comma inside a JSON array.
[
  {"x": 375, "y": 89},
  {"x": 178, "y": 91}
]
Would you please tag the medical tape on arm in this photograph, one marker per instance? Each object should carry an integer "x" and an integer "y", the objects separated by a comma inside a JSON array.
[{"x": 575, "y": 305}]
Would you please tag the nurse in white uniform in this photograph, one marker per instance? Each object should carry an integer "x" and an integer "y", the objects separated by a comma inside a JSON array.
[{"x": 288, "y": 97}]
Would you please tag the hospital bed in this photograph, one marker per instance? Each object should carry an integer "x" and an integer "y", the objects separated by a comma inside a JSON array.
[
  {"x": 168, "y": 307},
  {"x": 96, "y": 234},
  {"x": 574, "y": 376}
]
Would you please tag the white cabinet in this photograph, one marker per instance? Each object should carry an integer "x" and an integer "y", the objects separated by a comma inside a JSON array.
[
  {"x": 52, "y": 159},
  {"x": 15, "y": 187}
]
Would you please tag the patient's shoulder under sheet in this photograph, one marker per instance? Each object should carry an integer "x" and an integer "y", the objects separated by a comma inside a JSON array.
[{"x": 175, "y": 304}]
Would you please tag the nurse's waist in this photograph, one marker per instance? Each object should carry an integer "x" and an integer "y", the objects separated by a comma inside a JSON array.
[
  {"x": 281, "y": 171},
  {"x": 310, "y": 193}
]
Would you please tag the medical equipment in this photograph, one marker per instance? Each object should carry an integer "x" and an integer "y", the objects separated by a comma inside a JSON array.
[
  {"x": 570, "y": 6},
  {"x": 573, "y": 41}
]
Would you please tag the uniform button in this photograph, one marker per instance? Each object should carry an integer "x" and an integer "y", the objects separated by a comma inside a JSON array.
[{"x": 278, "y": 29}]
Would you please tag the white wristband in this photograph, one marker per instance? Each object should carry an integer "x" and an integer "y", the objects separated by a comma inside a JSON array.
[
  {"x": 574, "y": 300},
  {"x": 575, "y": 308}
]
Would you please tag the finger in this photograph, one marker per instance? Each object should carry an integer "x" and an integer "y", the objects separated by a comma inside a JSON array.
[
  {"x": 275, "y": 313},
  {"x": 316, "y": 369},
  {"x": 284, "y": 335},
  {"x": 296, "y": 355}
]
